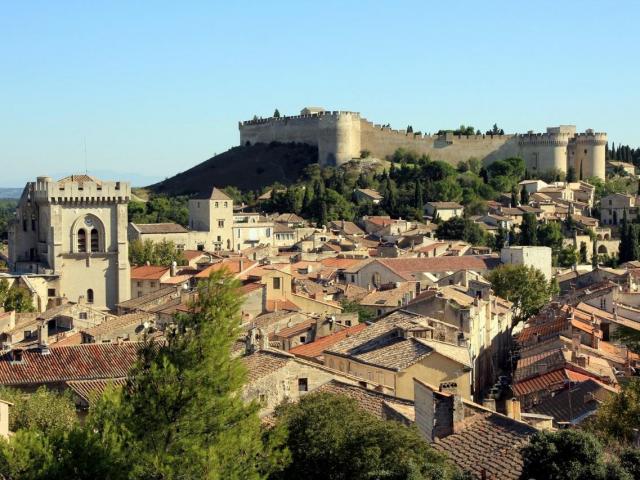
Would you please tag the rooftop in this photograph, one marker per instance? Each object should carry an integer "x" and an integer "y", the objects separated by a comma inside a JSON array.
[{"x": 157, "y": 228}]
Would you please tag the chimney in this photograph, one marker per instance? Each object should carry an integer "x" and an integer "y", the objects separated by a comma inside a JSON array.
[
  {"x": 595, "y": 337},
  {"x": 489, "y": 403},
  {"x": 43, "y": 335},
  {"x": 173, "y": 270},
  {"x": 241, "y": 265},
  {"x": 513, "y": 409}
]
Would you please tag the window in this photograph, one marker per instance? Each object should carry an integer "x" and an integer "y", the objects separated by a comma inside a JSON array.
[
  {"x": 348, "y": 323},
  {"x": 24, "y": 225},
  {"x": 215, "y": 205},
  {"x": 219, "y": 239},
  {"x": 90, "y": 295},
  {"x": 138, "y": 284},
  {"x": 152, "y": 284},
  {"x": 51, "y": 292},
  {"x": 83, "y": 315},
  {"x": 225, "y": 204},
  {"x": 276, "y": 283},
  {"x": 95, "y": 240},
  {"x": 82, "y": 240},
  {"x": 303, "y": 339},
  {"x": 303, "y": 385},
  {"x": 33, "y": 224},
  {"x": 220, "y": 223},
  {"x": 201, "y": 247},
  {"x": 268, "y": 232}
]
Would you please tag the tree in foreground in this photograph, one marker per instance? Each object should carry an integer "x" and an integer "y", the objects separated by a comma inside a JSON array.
[
  {"x": 331, "y": 438},
  {"x": 569, "y": 455},
  {"x": 181, "y": 414},
  {"x": 525, "y": 286},
  {"x": 618, "y": 418}
]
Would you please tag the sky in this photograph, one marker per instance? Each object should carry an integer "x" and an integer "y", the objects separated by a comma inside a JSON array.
[{"x": 153, "y": 88}]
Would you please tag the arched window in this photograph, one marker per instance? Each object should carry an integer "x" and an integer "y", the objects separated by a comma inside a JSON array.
[
  {"x": 90, "y": 295},
  {"x": 82, "y": 240},
  {"x": 95, "y": 240}
]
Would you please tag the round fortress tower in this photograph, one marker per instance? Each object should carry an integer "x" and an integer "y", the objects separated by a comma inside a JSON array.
[
  {"x": 338, "y": 138},
  {"x": 543, "y": 152},
  {"x": 587, "y": 154}
]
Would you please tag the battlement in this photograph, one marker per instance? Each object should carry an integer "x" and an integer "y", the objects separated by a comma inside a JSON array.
[
  {"x": 591, "y": 138},
  {"x": 314, "y": 116},
  {"x": 81, "y": 188}
]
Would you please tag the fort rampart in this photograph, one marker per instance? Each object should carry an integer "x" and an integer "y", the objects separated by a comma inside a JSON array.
[{"x": 341, "y": 136}]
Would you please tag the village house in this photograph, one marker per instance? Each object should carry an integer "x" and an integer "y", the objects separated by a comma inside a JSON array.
[
  {"x": 368, "y": 195},
  {"x": 614, "y": 206},
  {"x": 444, "y": 210},
  {"x": 397, "y": 348}
]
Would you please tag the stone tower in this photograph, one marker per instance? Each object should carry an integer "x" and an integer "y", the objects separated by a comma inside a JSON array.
[{"x": 74, "y": 232}]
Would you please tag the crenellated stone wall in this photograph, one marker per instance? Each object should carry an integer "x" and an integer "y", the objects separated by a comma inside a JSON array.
[{"x": 341, "y": 136}]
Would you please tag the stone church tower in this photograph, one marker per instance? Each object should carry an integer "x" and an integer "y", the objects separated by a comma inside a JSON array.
[{"x": 74, "y": 233}]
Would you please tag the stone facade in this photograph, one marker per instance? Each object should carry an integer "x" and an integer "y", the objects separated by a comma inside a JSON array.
[
  {"x": 75, "y": 230},
  {"x": 342, "y": 136},
  {"x": 537, "y": 257}
]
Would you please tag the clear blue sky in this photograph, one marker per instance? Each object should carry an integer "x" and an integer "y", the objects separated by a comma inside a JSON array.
[{"x": 156, "y": 87}]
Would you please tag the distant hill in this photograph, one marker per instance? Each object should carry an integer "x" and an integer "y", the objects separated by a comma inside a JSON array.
[
  {"x": 10, "y": 193},
  {"x": 248, "y": 168}
]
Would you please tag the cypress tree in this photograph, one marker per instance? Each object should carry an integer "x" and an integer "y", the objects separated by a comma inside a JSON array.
[
  {"x": 418, "y": 196},
  {"x": 276, "y": 114},
  {"x": 390, "y": 202},
  {"x": 581, "y": 175},
  {"x": 594, "y": 254},
  {"x": 514, "y": 198},
  {"x": 524, "y": 196},
  {"x": 528, "y": 230},
  {"x": 583, "y": 252},
  {"x": 324, "y": 217},
  {"x": 624, "y": 249}
]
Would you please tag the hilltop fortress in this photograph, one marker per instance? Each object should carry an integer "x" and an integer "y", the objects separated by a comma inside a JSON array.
[{"x": 342, "y": 136}]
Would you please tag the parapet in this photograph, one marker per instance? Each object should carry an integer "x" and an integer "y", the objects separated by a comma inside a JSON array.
[
  {"x": 306, "y": 116},
  {"x": 81, "y": 188}
]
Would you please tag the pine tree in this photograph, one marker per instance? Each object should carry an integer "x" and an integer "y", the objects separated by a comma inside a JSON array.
[
  {"x": 276, "y": 114},
  {"x": 181, "y": 413},
  {"x": 524, "y": 196}
]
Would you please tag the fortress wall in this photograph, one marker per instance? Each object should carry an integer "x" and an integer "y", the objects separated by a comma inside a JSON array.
[
  {"x": 301, "y": 129},
  {"x": 383, "y": 142}
]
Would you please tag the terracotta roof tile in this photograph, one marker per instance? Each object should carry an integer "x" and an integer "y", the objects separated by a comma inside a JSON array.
[
  {"x": 315, "y": 349},
  {"x": 148, "y": 272},
  {"x": 77, "y": 362},
  {"x": 151, "y": 228}
]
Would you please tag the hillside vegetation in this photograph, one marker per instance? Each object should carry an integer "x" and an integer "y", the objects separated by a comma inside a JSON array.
[{"x": 247, "y": 168}]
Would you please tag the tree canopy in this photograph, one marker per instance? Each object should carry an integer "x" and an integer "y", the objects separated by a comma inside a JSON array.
[
  {"x": 331, "y": 438},
  {"x": 525, "y": 286}
]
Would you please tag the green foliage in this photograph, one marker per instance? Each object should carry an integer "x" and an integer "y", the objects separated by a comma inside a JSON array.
[
  {"x": 584, "y": 254},
  {"x": 15, "y": 297},
  {"x": 528, "y": 230},
  {"x": 181, "y": 414},
  {"x": 568, "y": 455},
  {"x": 276, "y": 113},
  {"x": 568, "y": 256},
  {"x": 44, "y": 410},
  {"x": 330, "y": 438},
  {"x": 162, "y": 253},
  {"x": 525, "y": 286},
  {"x": 160, "y": 209},
  {"x": 7, "y": 213},
  {"x": 460, "y": 228},
  {"x": 619, "y": 416},
  {"x": 364, "y": 314}
]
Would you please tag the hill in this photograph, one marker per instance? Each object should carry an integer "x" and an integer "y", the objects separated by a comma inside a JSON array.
[
  {"x": 10, "y": 192},
  {"x": 247, "y": 168}
]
